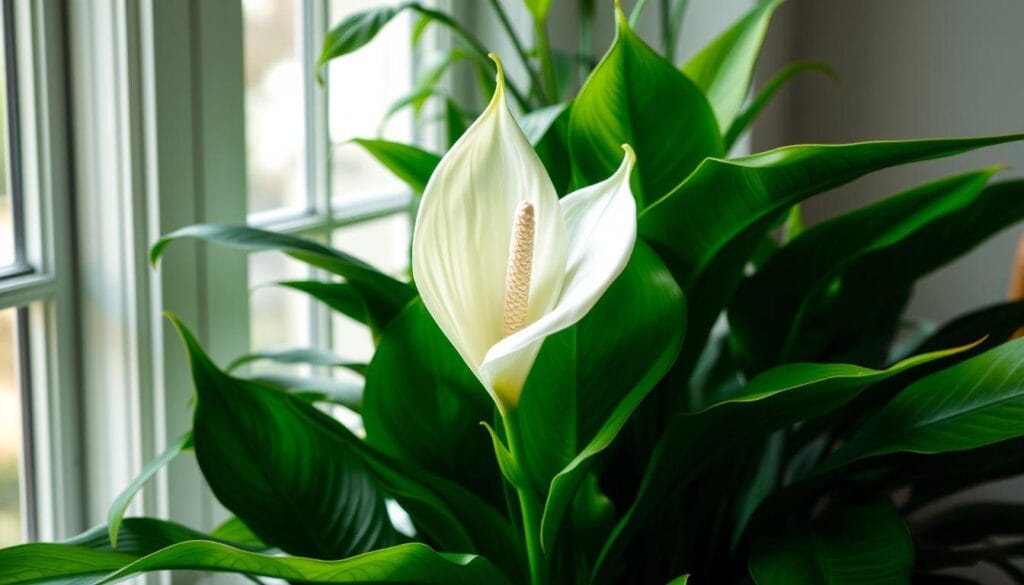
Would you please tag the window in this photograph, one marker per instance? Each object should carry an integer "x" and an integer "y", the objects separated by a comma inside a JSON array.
[
  {"x": 34, "y": 285},
  {"x": 305, "y": 177}
]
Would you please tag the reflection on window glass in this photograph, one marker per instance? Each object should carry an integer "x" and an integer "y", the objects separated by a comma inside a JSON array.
[
  {"x": 274, "y": 118},
  {"x": 279, "y": 317},
  {"x": 384, "y": 243},
  {"x": 8, "y": 254},
  {"x": 10, "y": 434},
  {"x": 362, "y": 86}
]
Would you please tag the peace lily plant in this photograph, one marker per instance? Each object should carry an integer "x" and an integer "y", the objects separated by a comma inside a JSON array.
[{"x": 608, "y": 367}]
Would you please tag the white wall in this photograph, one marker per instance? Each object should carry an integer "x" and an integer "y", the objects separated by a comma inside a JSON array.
[{"x": 910, "y": 69}]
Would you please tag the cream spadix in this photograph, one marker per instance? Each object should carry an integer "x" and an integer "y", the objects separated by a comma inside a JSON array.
[{"x": 500, "y": 262}]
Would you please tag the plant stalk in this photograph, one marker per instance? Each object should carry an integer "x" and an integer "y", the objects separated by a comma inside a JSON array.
[
  {"x": 529, "y": 505},
  {"x": 518, "y": 45},
  {"x": 547, "y": 63}
]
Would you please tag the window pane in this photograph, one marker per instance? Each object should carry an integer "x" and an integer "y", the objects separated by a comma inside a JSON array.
[
  {"x": 10, "y": 434},
  {"x": 361, "y": 88},
  {"x": 274, "y": 105},
  {"x": 8, "y": 239},
  {"x": 384, "y": 243},
  {"x": 279, "y": 317}
]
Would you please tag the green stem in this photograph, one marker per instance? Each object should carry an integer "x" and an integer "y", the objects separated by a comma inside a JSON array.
[
  {"x": 667, "y": 38},
  {"x": 518, "y": 45},
  {"x": 529, "y": 505},
  {"x": 547, "y": 64},
  {"x": 474, "y": 44}
]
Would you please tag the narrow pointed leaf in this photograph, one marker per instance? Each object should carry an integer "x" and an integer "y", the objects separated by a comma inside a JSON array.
[
  {"x": 723, "y": 70},
  {"x": 382, "y": 295},
  {"x": 746, "y": 117},
  {"x": 708, "y": 227},
  {"x": 339, "y": 296},
  {"x": 994, "y": 324},
  {"x": 121, "y": 503},
  {"x": 409, "y": 163},
  {"x": 798, "y": 279},
  {"x": 969, "y": 405},
  {"x": 407, "y": 563},
  {"x": 771, "y": 401},
  {"x": 627, "y": 100}
]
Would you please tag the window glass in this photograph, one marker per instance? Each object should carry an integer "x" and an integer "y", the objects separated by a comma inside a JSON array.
[
  {"x": 8, "y": 251},
  {"x": 274, "y": 105},
  {"x": 362, "y": 86},
  {"x": 10, "y": 434}
]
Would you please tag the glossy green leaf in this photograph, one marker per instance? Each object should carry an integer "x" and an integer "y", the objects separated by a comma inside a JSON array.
[
  {"x": 971, "y": 404},
  {"x": 773, "y": 400},
  {"x": 723, "y": 69},
  {"x": 409, "y": 163},
  {"x": 382, "y": 295},
  {"x": 407, "y": 563},
  {"x": 357, "y": 30},
  {"x": 867, "y": 545},
  {"x": 708, "y": 227},
  {"x": 139, "y": 536},
  {"x": 536, "y": 124},
  {"x": 811, "y": 267},
  {"x": 577, "y": 401},
  {"x": 339, "y": 296},
  {"x": 273, "y": 461},
  {"x": 626, "y": 100},
  {"x": 994, "y": 324},
  {"x": 235, "y": 531},
  {"x": 424, "y": 406},
  {"x": 117, "y": 509},
  {"x": 313, "y": 356},
  {"x": 747, "y": 116}
]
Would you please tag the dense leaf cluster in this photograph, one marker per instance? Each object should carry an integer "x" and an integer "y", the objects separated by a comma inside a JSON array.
[{"x": 806, "y": 438}]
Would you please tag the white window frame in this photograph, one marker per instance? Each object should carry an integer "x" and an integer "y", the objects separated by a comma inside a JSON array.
[{"x": 158, "y": 130}]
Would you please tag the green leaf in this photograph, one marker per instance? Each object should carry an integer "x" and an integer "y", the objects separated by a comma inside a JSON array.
[
  {"x": 357, "y": 30},
  {"x": 538, "y": 123},
  {"x": 47, "y": 562},
  {"x": 773, "y": 400},
  {"x": 407, "y": 563},
  {"x": 708, "y": 227},
  {"x": 636, "y": 97},
  {"x": 423, "y": 405},
  {"x": 410, "y": 164},
  {"x": 866, "y": 545},
  {"x": 117, "y": 509},
  {"x": 339, "y": 296},
  {"x": 382, "y": 295},
  {"x": 971, "y": 404},
  {"x": 273, "y": 460},
  {"x": 746, "y": 117},
  {"x": 682, "y": 580},
  {"x": 582, "y": 392},
  {"x": 139, "y": 536},
  {"x": 235, "y": 531},
  {"x": 995, "y": 324},
  {"x": 798, "y": 279},
  {"x": 313, "y": 356},
  {"x": 724, "y": 68}
]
